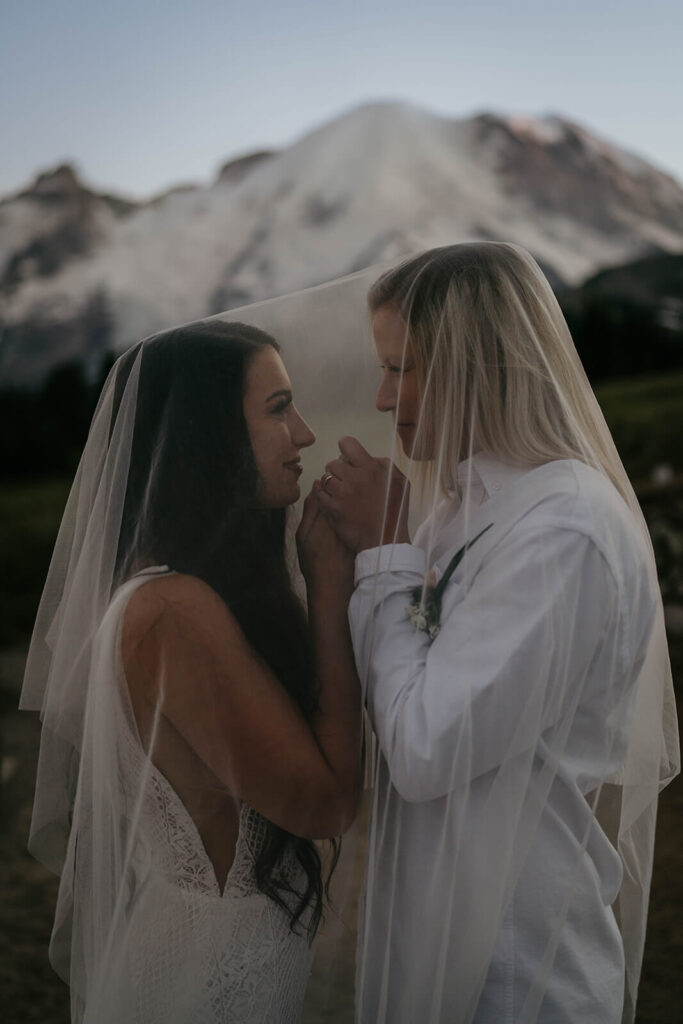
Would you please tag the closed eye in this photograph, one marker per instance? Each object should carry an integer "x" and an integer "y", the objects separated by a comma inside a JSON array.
[
  {"x": 281, "y": 400},
  {"x": 390, "y": 368}
]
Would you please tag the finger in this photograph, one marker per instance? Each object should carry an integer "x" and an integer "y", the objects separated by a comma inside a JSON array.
[
  {"x": 328, "y": 505},
  {"x": 323, "y": 494},
  {"x": 353, "y": 451},
  {"x": 315, "y": 491},
  {"x": 336, "y": 468},
  {"x": 310, "y": 513}
]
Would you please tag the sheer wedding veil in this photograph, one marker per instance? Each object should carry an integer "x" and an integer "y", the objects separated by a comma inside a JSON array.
[
  {"x": 502, "y": 386},
  {"x": 540, "y": 720},
  {"x": 168, "y": 483}
]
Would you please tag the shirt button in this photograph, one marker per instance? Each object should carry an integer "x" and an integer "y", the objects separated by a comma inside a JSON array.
[{"x": 497, "y": 486}]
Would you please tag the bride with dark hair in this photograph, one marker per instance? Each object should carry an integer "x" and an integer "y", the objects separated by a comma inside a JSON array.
[{"x": 198, "y": 733}]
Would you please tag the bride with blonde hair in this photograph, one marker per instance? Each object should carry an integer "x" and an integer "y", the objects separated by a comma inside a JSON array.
[{"x": 513, "y": 656}]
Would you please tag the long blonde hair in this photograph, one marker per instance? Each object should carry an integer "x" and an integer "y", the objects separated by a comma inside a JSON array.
[{"x": 496, "y": 365}]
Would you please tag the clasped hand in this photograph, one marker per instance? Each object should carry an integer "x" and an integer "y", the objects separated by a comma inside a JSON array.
[
  {"x": 326, "y": 563},
  {"x": 364, "y": 498},
  {"x": 359, "y": 503}
]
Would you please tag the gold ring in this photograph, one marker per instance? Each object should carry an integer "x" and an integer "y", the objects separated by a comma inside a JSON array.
[{"x": 325, "y": 480}]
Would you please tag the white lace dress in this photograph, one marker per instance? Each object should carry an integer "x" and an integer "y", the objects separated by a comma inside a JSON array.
[{"x": 182, "y": 952}]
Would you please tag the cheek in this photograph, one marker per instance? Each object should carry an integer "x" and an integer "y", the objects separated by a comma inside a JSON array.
[
  {"x": 268, "y": 443},
  {"x": 409, "y": 395},
  {"x": 261, "y": 446}
]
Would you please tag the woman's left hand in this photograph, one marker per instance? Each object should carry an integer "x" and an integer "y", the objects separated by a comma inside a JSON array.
[
  {"x": 365, "y": 499},
  {"x": 326, "y": 563}
]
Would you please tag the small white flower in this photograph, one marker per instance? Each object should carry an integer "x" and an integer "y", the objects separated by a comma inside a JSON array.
[
  {"x": 425, "y": 611},
  {"x": 416, "y": 616}
]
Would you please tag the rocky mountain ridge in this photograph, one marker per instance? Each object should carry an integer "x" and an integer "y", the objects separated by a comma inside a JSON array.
[{"x": 80, "y": 270}]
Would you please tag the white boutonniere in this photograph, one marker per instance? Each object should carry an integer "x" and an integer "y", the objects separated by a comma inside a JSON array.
[{"x": 425, "y": 609}]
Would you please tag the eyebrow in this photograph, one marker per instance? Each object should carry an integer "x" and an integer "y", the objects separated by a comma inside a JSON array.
[{"x": 282, "y": 393}]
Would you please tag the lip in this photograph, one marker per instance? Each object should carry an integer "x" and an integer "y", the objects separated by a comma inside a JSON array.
[{"x": 295, "y": 466}]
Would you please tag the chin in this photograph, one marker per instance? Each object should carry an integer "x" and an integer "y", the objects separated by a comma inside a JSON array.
[
  {"x": 283, "y": 500},
  {"x": 291, "y": 498},
  {"x": 406, "y": 436},
  {"x": 416, "y": 452}
]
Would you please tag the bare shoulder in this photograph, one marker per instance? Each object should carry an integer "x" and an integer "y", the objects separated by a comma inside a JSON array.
[
  {"x": 175, "y": 594},
  {"x": 180, "y": 611}
]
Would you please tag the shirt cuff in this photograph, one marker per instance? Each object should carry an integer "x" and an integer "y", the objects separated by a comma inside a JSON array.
[{"x": 389, "y": 558}]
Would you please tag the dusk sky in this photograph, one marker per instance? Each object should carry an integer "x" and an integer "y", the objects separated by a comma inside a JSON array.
[{"x": 142, "y": 95}]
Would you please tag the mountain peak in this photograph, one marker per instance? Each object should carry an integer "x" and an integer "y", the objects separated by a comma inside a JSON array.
[
  {"x": 548, "y": 129},
  {"x": 61, "y": 186},
  {"x": 237, "y": 169},
  {"x": 61, "y": 182},
  {"x": 380, "y": 181}
]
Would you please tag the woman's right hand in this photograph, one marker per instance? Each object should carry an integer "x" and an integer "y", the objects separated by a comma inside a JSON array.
[
  {"x": 326, "y": 563},
  {"x": 366, "y": 499}
]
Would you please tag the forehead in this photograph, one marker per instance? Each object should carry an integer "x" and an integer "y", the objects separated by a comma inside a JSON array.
[
  {"x": 389, "y": 331},
  {"x": 266, "y": 374}
]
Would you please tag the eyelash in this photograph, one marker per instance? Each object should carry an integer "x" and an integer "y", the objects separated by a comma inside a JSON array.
[{"x": 281, "y": 406}]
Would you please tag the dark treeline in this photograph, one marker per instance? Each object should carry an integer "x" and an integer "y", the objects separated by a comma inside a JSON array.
[
  {"x": 626, "y": 339},
  {"x": 625, "y": 323},
  {"x": 43, "y": 431},
  {"x": 628, "y": 321}
]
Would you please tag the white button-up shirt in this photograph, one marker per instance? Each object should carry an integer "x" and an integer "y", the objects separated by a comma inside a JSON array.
[{"x": 485, "y": 856}]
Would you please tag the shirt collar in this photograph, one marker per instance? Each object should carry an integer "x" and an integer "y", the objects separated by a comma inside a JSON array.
[
  {"x": 478, "y": 479},
  {"x": 490, "y": 471}
]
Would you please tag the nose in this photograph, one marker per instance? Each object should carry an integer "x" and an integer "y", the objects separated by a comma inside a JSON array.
[
  {"x": 386, "y": 394},
  {"x": 302, "y": 435}
]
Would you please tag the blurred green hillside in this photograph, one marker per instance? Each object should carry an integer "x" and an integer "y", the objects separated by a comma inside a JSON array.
[{"x": 645, "y": 416}]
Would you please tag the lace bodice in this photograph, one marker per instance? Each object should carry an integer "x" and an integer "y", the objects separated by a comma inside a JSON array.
[
  {"x": 185, "y": 860},
  {"x": 199, "y": 956},
  {"x": 252, "y": 967}
]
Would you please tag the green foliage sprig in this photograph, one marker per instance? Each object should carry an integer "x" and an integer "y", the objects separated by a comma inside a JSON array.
[{"x": 425, "y": 609}]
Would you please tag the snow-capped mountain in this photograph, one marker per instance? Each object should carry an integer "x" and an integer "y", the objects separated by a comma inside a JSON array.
[
  {"x": 53, "y": 221},
  {"x": 80, "y": 271}
]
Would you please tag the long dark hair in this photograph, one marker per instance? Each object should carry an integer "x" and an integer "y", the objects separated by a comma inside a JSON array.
[{"x": 192, "y": 504}]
